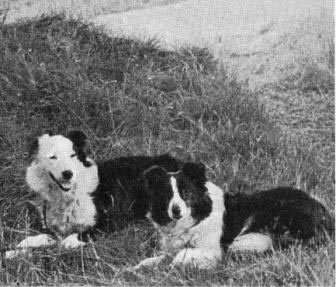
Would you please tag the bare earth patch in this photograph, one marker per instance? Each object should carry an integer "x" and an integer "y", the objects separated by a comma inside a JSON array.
[{"x": 82, "y": 8}]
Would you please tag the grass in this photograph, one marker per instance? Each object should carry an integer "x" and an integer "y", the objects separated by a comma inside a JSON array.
[{"x": 59, "y": 74}]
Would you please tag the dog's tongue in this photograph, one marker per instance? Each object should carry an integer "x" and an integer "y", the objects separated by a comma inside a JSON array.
[{"x": 66, "y": 186}]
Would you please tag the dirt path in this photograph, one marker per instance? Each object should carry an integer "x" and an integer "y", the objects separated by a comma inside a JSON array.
[
  {"x": 245, "y": 33},
  {"x": 261, "y": 40},
  {"x": 86, "y": 9}
]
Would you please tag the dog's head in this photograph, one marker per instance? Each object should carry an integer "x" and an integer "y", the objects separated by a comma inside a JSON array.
[
  {"x": 177, "y": 197},
  {"x": 57, "y": 160}
]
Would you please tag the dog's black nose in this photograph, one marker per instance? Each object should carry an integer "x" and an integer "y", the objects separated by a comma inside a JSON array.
[
  {"x": 176, "y": 212},
  {"x": 67, "y": 174}
]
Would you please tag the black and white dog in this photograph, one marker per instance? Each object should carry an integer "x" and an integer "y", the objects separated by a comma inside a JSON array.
[
  {"x": 197, "y": 220},
  {"x": 76, "y": 197}
]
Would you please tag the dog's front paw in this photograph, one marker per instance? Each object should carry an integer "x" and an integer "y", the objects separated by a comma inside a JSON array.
[
  {"x": 11, "y": 254},
  {"x": 23, "y": 248},
  {"x": 37, "y": 241},
  {"x": 149, "y": 262},
  {"x": 200, "y": 258},
  {"x": 72, "y": 242}
]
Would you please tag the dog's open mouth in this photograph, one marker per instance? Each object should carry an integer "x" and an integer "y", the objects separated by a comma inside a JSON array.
[{"x": 60, "y": 185}]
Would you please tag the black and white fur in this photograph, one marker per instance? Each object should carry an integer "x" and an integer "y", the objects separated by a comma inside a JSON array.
[
  {"x": 197, "y": 221},
  {"x": 75, "y": 197}
]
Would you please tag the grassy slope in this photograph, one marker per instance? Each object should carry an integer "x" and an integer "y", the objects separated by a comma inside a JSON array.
[{"x": 58, "y": 74}]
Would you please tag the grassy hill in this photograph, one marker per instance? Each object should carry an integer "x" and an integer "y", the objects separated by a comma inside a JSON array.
[{"x": 132, "y": 98}]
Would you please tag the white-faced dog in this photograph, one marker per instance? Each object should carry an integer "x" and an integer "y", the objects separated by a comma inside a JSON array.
[
  {"x": 197, "y": 221},
  {"x": 75, "y": 197}
]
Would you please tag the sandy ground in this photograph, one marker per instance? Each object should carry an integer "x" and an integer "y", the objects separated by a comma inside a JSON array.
[
  {"x": 258, "y": 39},
  {"x": 253, "y": 36},
  {"x": 87, "y": 9}
]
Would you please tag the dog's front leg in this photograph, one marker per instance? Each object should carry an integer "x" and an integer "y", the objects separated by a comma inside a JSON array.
[
  {"x": 199, "y": 257},
  {"x": 41, "y": 240},
  {"x": 37, "y": 241},
  {"x": 149, "y": 262},
  {"x": 72, "y": 242}
]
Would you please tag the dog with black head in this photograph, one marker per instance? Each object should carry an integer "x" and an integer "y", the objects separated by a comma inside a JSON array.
[
  {"x": 76, "y": 197},
  {"x": 198, "y": 222},
  {"x": 187, "y": 211}
]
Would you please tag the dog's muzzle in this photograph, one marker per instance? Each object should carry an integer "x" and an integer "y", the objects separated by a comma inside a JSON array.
[
  {"x": 66, "y": 189},
  {"x": 176, "y": 211}
]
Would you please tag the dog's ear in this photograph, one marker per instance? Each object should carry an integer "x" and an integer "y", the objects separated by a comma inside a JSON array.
[
  {"x": 80, "y": 144},
  {"x": 201, "y": 203},
  {"x": 78, "y": 138},
  {"x": 155, "y": 177},
  {"x": 195, "y": 171},
  {"x": 33, "y": 145}
]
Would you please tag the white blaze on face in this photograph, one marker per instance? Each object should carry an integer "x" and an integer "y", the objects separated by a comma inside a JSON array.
[
  {"x": 56, "y": 155},
  {"x": 61, "y": 148},
  {"x": 177, "y": 201}
]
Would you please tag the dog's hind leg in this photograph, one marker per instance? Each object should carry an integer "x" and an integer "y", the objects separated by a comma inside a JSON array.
[{"x": 255, "y": 242}]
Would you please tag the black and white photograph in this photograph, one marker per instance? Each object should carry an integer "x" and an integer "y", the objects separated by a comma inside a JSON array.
[{"x": 167, "y": 143}]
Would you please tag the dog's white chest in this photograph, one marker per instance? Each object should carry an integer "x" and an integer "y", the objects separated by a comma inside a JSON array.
[
  {"x": 191, "y": 238},
  {"x": 171, "y": 241},
  {"x": 205, "y": 234},
  {"x": 172, "y": 244},
  {"x": 68, "y": 215}
]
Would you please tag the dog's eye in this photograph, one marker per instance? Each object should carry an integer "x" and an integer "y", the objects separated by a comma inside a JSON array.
[
  {"x": 184, "y": 193},
  {"x": 73, "y": 155},
  {"x": 53, "y": 157}
]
